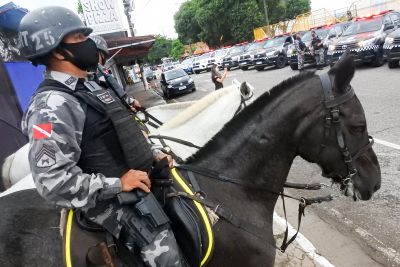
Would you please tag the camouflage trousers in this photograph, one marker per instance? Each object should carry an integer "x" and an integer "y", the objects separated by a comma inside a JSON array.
[
  {"x": 162, "y": 251},
  {"x": 319, "y": 57},
  {"x": 300, "y": 60}
]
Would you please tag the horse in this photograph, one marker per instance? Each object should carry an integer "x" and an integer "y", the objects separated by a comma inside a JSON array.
[
  {"x": 191, "y": 121},
  {"x": 318, "y": 118}
]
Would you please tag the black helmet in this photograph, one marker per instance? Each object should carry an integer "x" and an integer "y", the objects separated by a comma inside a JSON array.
[
  {"x": 42, "y": 30},
  {"x": 100, "y": 43}
]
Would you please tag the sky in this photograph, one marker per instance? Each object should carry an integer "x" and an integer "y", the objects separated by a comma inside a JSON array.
[{"x": 156, "y": 16}]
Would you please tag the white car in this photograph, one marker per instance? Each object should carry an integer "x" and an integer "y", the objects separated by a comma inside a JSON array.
[
  {"x": 217, "y": 57},
  {"x": 200, "y": 63}
]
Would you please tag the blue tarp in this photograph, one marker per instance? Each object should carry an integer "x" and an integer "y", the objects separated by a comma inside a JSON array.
[
  {"x": 11, "y": 15},
  {"x": 25, "y": 78}
]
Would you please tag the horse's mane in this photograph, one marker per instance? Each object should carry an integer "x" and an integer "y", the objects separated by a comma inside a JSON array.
[{"x": 258, "y": 104}]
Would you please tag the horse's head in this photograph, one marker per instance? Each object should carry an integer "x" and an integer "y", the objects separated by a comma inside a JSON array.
[{"x": 337, "y": 139}]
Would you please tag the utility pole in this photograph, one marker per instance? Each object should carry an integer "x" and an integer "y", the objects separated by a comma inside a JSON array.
[
  {"x": 266, "y": 11},
  {"x": 128, "y": 9}
]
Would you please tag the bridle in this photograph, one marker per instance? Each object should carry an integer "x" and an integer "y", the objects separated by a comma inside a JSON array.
[{"x": 332, "y": 119}]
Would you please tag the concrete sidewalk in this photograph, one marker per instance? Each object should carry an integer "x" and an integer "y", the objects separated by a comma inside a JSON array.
[{"x": 147, "y": 98}]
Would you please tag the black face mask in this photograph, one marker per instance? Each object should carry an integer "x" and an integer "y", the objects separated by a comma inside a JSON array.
[{"x": 84, "y": 54}]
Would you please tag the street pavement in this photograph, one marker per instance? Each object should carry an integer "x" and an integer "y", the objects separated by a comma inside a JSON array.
[{"x": 363, "y": 233}]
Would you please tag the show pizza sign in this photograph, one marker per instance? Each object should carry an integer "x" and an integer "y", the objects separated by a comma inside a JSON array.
[{"x": 102, "y": 16}]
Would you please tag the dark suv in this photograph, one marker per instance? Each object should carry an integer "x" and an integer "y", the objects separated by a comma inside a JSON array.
[
  {"x": 246, "y": 59},
  {"x": 391, "y": 49},
  {"x": 274, "y": 53},
  {"x": 365, "y": 38},
  {"x": 231, "y": 60}
]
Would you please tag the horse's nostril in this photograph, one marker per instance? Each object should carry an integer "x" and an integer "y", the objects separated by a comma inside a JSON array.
[{"x": 377, "y": 187}]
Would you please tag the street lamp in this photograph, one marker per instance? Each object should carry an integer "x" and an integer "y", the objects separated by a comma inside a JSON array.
[{"x": 128, "y": 9}]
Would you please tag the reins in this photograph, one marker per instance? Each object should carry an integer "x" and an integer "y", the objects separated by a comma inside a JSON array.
[{"x": 228, "y": 216}]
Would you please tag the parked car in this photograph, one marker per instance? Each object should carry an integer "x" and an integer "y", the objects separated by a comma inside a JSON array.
[
  {"x": 365, "y": 38},
  {"x": 167, "y": 66},
  {"x": 231, "y": 60},
  {"x": 217, "y": 57},
  {"x": 175, "y": 82},
  {"x": 200, "y": 63},
  {"x": 274, "y": 53},
  {"x": 149, "y": 74},
  {"x": 187, "y": 65},
  {"x": 246, "y": 59},
  {"x": 391, "y": 49}
]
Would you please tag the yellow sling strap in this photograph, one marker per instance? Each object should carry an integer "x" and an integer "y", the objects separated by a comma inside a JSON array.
[{"x": 203, "y": 214}]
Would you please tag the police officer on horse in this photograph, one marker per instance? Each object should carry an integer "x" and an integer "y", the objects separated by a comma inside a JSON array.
[{"x": 85, "y": 148}]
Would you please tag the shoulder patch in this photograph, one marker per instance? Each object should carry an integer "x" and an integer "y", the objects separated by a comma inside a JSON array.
[
  {"x": 46, "y": 157},
  {"x": 105, "y": 97},
  {"x": 42, "y": 131}
]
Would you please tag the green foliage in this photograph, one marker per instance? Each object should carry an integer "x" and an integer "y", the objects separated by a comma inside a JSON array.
[
  {"x": 186, "y": 25},
  {"x": 177, "y": 49},
  {"x": 79, "y": 7},
  {"x": 219, "y": 22},
  {"x": 296, "y": 7},
  {"x": 161, "y": 48}
]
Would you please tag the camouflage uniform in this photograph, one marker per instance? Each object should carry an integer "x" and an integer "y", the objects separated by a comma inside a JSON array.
[
  {"x": 318, "y": 51},
  {"x": 54, "y": 123},
  {"x": 300, "y": 55}
]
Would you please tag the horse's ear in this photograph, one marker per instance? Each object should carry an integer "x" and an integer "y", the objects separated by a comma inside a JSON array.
[
  {"x": 244, "y": 89},
  {"x": 342, "y": 73}
]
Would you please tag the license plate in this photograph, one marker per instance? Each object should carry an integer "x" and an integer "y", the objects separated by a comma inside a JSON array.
[
  {"x": 182, "y": 88},
  {"x": 258, "y": 62}
]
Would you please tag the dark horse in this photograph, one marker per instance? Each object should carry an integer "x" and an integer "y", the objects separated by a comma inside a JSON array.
[{"x": 258, "y": 145}]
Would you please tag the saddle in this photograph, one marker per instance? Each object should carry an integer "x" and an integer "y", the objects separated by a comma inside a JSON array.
[{"x": 88, "y": 244}]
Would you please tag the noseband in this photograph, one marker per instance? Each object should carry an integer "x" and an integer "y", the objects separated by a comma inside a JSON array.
[{"x": 332, "y": 118}]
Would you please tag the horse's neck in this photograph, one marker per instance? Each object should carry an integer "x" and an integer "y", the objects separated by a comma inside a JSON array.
[{"x": 260, "y": 145}]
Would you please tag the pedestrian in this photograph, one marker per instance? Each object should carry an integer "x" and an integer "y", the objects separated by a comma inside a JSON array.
[
  {"x": 85, "y": 148},
  {"x": 300, "y": 50},
  {"x": 218, "y": 78},
  {"x": 318, "y": 48},
  {"x": 349, "y": 15}
]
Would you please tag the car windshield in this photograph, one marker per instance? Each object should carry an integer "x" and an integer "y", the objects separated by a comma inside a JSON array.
[
  {"x": 236, "y": 49},
  {"x": 205, "y": 56},
  {"x": 174, "y": 74},
  {"x": 256, "y": 46},
  {"x": 187, "y": 61},
  {"x": 275, "y": 42},
  {"x": 361, "y": 26},
  {"x": 320, "y": 32},
  {"x": 220, "y": 52}
]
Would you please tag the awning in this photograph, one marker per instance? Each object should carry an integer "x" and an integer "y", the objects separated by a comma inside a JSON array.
[
  {"x": 125, "y": 49},
  {"x": 11, "y": 15}
]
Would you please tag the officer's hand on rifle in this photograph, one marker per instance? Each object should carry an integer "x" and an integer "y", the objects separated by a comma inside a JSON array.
[
  {"x": 159, "y": 156},
  {"x": 133, "y": 179}
]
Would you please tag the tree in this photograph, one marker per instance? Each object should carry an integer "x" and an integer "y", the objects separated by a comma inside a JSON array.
[
  {"x": 296, "y": 7},
  {"x": 186, "y": 25},
  {"x": 177, "y": 49},
  {"x": 161, "y": 48}
]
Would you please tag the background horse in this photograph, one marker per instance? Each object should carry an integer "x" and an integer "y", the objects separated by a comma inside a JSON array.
[
  {"x": 193, "y": 121},
  {"x": 258, "y": 146}
]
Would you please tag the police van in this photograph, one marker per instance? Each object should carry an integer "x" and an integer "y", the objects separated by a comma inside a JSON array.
[{"x": 365, "y": 38}]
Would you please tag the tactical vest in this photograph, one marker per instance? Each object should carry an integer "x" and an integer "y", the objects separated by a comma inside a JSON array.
[{"x": 112, "y": 143}]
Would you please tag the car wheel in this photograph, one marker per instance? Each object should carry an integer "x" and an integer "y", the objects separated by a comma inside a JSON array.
[
  {"x": 244, "y": 68},
  {"x": 393, "y": 64},
  {"x": 280, "y": 62},
  {"x": 378, "y": 59},
  {"x": 194, "y": 89},
  {"x": 196, "y": 72},
  {"x": 294, "y": 66},
  {"x": 259, "y": 68},
  {"x": 229, "y": 68}
]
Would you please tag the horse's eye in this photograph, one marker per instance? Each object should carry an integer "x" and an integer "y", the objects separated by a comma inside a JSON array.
[{"x": 358, "y": 129}]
